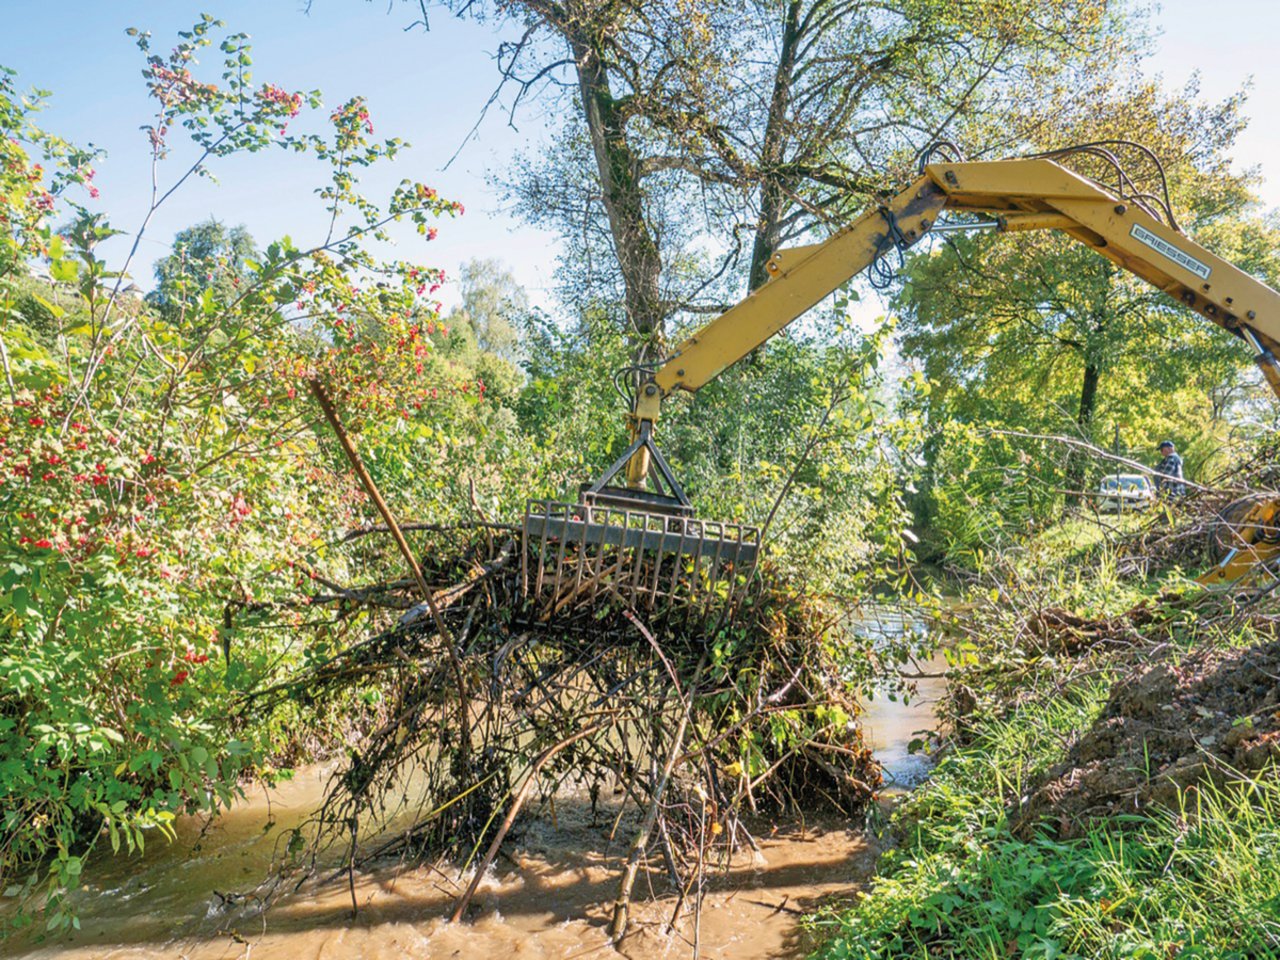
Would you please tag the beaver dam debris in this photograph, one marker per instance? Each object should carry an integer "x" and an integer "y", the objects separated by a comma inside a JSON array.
[{"x": 686, "y": 718}]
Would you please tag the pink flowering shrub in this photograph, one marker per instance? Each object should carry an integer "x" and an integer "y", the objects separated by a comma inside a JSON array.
[{"x": 167, "y": 499}]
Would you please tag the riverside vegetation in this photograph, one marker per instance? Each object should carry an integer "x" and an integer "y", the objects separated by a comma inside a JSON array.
[
  {"x": 195, "y": 597},
  {"x": 177, "y": 515},
  {"x": 1108, "y": 787}
]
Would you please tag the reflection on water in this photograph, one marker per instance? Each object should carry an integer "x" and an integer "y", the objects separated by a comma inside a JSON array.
[
  {"x": 889, "y": 726},
  {"x": 548, "y": 897}
]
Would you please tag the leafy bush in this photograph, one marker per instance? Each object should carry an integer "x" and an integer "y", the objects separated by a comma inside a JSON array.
[{"x": 164, "y": 494}]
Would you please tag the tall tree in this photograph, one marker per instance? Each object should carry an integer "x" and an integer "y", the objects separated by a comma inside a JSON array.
[
  {"x": 206, "y": 256},
  {"x": 703, "y": 130},
  {"x": 492, "y": 301}
]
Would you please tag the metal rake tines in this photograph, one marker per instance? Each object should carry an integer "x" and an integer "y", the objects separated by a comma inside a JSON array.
[{"x": 579, "y": 555}]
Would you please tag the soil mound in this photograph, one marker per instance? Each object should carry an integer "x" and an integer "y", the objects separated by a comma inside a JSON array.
[{"x": 1169, "y": 726}]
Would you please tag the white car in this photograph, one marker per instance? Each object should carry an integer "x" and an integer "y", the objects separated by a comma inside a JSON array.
[{"x": 1126, "y": 491}]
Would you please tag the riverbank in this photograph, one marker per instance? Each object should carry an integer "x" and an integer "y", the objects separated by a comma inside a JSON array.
[{"x": 1109, "y": 791}]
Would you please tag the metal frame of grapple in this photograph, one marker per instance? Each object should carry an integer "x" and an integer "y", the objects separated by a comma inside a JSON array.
[
  {"x": 642, "y": 547},
  {"x": 667, "y": 497}
]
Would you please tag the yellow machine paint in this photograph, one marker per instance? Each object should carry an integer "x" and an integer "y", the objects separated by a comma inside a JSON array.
[
  {"x": 1123, "y": 225},
  {"x": 1251, "y": 540},
  {"x": 1019, "y": 195}
]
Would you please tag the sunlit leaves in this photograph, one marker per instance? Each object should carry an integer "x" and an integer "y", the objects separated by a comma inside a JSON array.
[{"x": 166, "y": 498}]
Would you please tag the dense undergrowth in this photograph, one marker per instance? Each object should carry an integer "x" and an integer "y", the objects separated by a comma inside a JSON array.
[{"x": 1052, "y": 685}]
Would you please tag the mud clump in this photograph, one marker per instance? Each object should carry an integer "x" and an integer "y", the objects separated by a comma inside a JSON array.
[{"x": 1208, "y": 717}]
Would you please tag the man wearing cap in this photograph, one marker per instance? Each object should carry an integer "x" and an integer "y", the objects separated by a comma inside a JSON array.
[{"x": 1170, "y": 469}]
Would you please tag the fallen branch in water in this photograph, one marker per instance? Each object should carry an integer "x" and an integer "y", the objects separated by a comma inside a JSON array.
[
  {"x": 512, "y": 812},
  {"x": 621, "y": 906},
  {"x": 691, "y": 740}
]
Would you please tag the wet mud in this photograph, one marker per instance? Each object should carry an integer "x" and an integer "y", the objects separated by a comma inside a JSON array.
[{"x": 548, "y": 897}]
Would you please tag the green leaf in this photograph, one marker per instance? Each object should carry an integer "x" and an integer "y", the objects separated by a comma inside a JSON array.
[{"x": 64, "y": 271}]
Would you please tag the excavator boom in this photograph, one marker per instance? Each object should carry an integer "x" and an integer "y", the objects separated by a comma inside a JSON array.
[
  {"x": 1135, "y": 230},
  {"x": 1028, "y": 194}
]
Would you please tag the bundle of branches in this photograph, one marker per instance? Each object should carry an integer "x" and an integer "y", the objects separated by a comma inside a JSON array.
[
  {"x": 1190, "y": 534},
  {"x": 1054, "y": 630},
  {"x": 1194, "y": 532},
  {"x": 687, "y": 721}
]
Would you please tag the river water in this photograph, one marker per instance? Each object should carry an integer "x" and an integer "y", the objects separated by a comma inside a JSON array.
[{"x": 549, "y": 897}]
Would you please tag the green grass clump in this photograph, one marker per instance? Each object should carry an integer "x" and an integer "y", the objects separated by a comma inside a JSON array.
[{"x": 1202, "y": 881}]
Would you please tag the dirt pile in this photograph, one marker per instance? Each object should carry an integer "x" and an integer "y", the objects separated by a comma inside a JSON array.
[{"x": 1169, "y": 726}]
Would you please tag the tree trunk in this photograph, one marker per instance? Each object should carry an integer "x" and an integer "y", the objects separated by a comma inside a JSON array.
[
  {"x": 773, "y": 185},
  {"x": 1088, "y": 396},
  {"x": 618, "y": 168},
  {"x": 1084, "y": 420}
]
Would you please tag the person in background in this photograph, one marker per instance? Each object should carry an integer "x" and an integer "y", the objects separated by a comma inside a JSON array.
[{"x": 1170, "y": 468}]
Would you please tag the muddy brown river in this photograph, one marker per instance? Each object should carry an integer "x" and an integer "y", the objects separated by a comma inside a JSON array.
[{"x": 549, "y": 897}]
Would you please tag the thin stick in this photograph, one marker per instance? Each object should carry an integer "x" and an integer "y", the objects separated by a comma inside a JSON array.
[
  {"x": 8, "y": 376},
  {"x": 621, "y": 906},
  {"x": 1097, "y": 452},
  {"x": 837, "y": 398},
  {"x": 353, "y": 456},
  {"x": 463, "y": 901}
]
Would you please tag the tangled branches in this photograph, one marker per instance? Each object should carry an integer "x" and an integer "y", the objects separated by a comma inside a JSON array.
[
  {"x": 1195, "y": 532},
  {"x": 684, "y": 729}
]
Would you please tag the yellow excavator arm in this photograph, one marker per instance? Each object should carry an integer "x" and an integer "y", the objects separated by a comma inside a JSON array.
[{"x": 1020, "y": 194}]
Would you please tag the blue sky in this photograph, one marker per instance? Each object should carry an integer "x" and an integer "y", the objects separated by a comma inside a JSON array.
[{"x": 429, "y": 88}]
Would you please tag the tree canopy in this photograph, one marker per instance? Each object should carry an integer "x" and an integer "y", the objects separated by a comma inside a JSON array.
[{"x": 206, "y": 256}]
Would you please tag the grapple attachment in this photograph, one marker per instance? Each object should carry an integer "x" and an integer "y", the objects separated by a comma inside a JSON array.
[{"x": 642, "y": 548}]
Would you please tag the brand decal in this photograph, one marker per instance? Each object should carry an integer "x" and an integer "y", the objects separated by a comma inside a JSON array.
[{"x": 1162, "y": 246}]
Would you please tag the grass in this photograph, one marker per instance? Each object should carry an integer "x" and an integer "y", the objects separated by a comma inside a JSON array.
[
  {"x": 1076, "y": 536},
  {"x": 1199, "y": 882}
]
